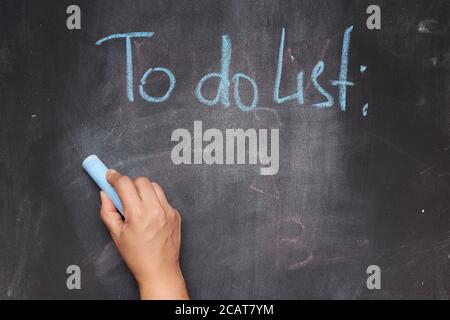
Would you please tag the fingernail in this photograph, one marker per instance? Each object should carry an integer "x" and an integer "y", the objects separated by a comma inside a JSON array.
[
  {"x": 112, "y": 171},
  {"x": 110, "y": 174}
]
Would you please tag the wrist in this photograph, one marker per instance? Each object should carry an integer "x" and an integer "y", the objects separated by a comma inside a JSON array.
[{"x": 169, "y": 286}]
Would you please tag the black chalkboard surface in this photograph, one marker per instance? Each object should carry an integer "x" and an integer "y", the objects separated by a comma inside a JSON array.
[{"x": 368, "y": 185}]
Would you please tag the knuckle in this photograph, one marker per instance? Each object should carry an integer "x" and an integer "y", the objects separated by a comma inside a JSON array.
[
  {"x": 173, "y": 213},
  {"x": 159, "y": 211},
  {"x": 140, "y": 180},
  {"x": 157, "y": 186},
  {"x": 123, "y": 180},
  {"x": 174, "y": 216}
]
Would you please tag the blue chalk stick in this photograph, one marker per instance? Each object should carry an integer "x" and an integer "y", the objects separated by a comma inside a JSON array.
[{"x": 97, "y": 170}]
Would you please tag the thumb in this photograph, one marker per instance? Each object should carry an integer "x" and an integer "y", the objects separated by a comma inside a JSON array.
[{"x": 111, "y": 218}]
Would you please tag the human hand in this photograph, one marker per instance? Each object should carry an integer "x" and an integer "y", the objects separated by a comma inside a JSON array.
[{"x": 149, "y": 238}]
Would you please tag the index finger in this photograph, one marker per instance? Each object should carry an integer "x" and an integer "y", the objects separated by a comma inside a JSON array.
[{"x": 126, "y": 190}]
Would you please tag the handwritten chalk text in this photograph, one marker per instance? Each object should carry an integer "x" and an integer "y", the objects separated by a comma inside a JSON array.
[{"x": 228, "y": 90}]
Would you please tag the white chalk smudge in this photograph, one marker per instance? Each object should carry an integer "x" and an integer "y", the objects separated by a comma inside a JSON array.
[{"x": 427, "y": 26}]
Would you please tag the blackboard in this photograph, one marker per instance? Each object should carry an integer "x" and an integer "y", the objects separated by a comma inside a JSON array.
[{"x": 354, "y": 188}]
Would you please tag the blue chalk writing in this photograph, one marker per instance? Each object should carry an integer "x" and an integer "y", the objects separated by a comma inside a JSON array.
[
  {"x": 316, "y": 72},
  {"x": 149, "y": 98},
  {"x": 222, "y": 94},
  {"x": 237, "y": 96},
  {"x": 342, "y": 83},
  {"x": 276, "y": 90},
  {"x": 129, "y": 55},
  {"x": 223, "y": 90}
]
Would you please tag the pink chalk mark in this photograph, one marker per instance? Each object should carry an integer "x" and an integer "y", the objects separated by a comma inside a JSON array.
[{"x": 276, "y": 195}]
